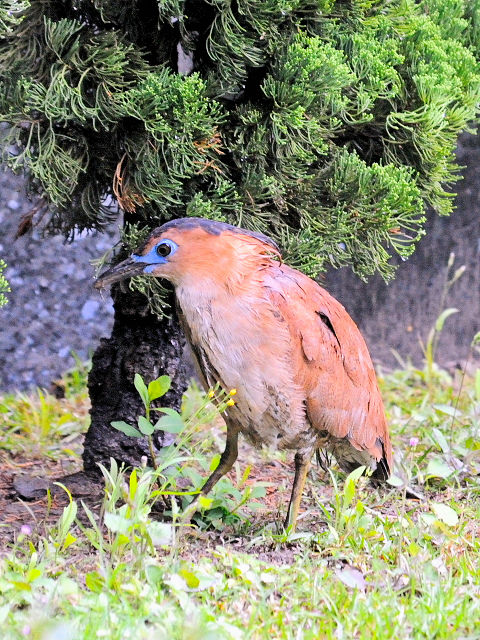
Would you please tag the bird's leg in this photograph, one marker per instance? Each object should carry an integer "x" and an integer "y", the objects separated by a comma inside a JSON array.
[
  {"x": 302, "y": 465},
  {"x": 227, "y": 460}
]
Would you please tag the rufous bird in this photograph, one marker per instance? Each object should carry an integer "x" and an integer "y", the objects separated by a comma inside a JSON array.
[{"x": 302, "y": 371}]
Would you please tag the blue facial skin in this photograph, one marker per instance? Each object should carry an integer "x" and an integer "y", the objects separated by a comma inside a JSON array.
[{"x": 152, "y": 258}]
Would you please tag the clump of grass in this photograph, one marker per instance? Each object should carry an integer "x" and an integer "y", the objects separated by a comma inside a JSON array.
[
  {"x": 431, "y": 370},
  {"x": 38, "y": 424},
  {"x": 437, "y": 427},
  {"x": 384, "y": 576},
  {"x": 44, "y": 424}
]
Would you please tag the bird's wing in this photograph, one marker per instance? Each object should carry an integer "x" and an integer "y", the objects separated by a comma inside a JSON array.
[{"x": 332, "y": 363}]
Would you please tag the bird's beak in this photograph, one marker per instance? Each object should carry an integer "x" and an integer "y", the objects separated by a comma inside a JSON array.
[{"x": 126, "y": 269}]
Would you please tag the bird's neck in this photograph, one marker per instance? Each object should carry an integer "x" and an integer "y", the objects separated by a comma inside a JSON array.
[
  {"x": 236, "y": 277},
  {"x": 207, "y": 299}
]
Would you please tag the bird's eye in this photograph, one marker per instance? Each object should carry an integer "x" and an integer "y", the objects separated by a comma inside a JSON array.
[{"x": 163, "y": 249}]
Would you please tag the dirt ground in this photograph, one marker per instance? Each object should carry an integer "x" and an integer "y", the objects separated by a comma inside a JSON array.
[
  {"x": 25, "y": 505},
  {"x": 23, "y": 496}
]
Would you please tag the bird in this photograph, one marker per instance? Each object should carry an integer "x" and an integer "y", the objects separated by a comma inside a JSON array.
[{"x": 301, "y": 369}]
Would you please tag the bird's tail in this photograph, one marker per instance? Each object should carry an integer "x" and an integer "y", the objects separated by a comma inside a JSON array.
[
  {"x": 382, "y": 471},
  {"x": 349, "y": 459},
  {"x": 324, "y": 459}
]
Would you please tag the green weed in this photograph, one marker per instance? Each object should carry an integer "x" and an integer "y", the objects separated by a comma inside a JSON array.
[
  {"x": 224, "y": 505},
  {"x": 39, "y": 424}
]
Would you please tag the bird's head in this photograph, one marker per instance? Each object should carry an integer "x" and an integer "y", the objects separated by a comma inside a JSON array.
[{"x": 194, "y": 250}]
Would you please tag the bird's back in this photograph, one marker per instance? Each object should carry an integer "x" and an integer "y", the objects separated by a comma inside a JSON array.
[{"x": 334, "y": 368}]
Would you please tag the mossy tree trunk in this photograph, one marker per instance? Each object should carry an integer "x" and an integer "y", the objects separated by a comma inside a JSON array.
[{"x": 140, "y": 342}]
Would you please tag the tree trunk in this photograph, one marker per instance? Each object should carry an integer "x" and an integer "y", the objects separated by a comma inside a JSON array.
[{"x": 140, "y": 343}]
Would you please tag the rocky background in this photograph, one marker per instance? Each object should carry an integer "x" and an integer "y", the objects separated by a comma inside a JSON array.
[{"x": 54, "y": 310}]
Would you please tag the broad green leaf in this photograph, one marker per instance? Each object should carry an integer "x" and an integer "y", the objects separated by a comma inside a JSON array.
[
  {"x": 448, "y": 410},
  {"x": 68, "y": 516},
  {"x": 350, "y": 483},
  {"x": 141, "y": 388},
  {"x": 217, "y": 523},
  {"x": 204, "y": 502},
  {"x": 94, "y": 581},
  {"x": 116, "y": 523},
  {"x": 472, "y": 443},
  {"x": 21, "y": 586},
  {"x": 190, "y": 578},
  {"x": 154, "y": 573},
  {"x": 126, "y": 428},
  {"x": 442, "y": 317},
  {"x": 69, "y": 540},
  {"x": 171, "y": 424},
  {"x": 133, "y": 484},
  {"x": 167, "y": 410},
  {"x": 348, "y": 491},
  {"x": 395, "y": 481},
  {"x": 258, "y": 492},
  {"x": 145, "y": 426},
  {"x": 214, "y": 462},
  {"x": 33, "y": 574},
  {"x": 160, "y": 533},
  {"x": 445, "y": 513},
  {"x": 439, "y": 438},
  {"x": 159, "y": 387},
  {"x": 438, "y": 468},
  {"x": 357, "y": 473}
]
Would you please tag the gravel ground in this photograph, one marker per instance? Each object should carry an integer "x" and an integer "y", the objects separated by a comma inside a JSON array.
[{"x": 53, "y": 309}]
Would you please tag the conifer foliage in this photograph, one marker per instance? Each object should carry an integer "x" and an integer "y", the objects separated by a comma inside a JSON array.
[{"x": 330, "y": 125}]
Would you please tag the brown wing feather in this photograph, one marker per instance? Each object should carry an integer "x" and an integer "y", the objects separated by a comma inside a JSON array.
[{"x": 333, "y": 365}]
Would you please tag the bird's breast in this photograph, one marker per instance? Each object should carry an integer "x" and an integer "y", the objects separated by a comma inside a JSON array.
[{"x": 244, "y": 344}]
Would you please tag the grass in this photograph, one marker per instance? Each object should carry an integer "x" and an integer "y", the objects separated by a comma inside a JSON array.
[{"x": 364, "y": 563}]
